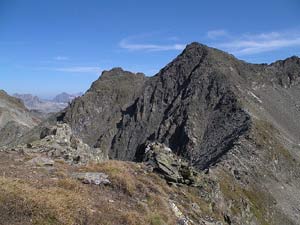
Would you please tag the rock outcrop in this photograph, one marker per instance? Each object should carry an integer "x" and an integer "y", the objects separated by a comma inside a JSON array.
[
  {"x": 40, "y": 162},
  {"x": 58, "y": 142},
  {"x": 174, "y": 169},
  {"x": 92, "y": 178}
]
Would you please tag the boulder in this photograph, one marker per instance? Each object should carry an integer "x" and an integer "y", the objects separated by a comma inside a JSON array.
[
  {"x": 41, "y": 161},
  {"x": 46, "y": 131},
  {"x": 173, "y": 168},
  {"x": 181, "y": 219},
  {"x": 92, "y": 178}
]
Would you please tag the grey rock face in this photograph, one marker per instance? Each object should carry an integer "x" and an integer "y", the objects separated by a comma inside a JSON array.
[{"x": 189, "y": 106}]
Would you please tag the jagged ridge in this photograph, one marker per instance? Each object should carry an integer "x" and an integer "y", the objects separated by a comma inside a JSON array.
[{"x": 189, "y": 106}]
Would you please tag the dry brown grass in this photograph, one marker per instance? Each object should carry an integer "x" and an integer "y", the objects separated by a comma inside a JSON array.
[
  {"x": 146, "y": 194},
  {"x": 130, "y": 177},
  {"x": 52, "y": 197},
  {"x": 266, "y": 137},
  {"x": 22, "y": 203},
  {"x": 121, "y": 174},
  {"x": 259, "y": 200}
]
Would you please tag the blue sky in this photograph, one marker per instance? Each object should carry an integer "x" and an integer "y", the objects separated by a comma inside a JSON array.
[{"x": 51, "y": 46}]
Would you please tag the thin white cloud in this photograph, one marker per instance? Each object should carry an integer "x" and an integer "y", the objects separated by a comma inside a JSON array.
[
  {"x": 250, "y": 44},
  {"x": 266, "y": 36},
  {"x": 79, "y": 69},
  {"x": 173, "y": 38},
  {"x": 213, "y": 34},
  {"x": 126, "y": 44},
  {"x": 253, "y": 47},
  {"x": 61, "y": 58}
]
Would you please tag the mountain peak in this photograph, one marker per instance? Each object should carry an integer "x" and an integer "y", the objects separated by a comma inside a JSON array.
[
  {"x": 196, "y": 45},
  {"x": 117, "y": 72},
  {"x": 114, "y": 70},
  {"x": 65, "y": 97}
]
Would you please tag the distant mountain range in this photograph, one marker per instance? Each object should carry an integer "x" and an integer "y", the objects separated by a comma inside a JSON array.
[
  {"x": 65, "y": 97},
  {"x": 58, "y": 103}
]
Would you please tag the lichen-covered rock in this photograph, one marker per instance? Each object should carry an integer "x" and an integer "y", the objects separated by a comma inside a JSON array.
[
  {"x": 173, "y": 168},
  {"x": 181, "y": 219},
  {"x": 92, "y": 178},
  {"x": 59, "y": 142},
  {"x": 40, "y": 161}
]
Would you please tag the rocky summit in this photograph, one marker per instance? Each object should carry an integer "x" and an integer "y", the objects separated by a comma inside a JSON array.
[
  {"x": 222, "y": 135},
  {"x": 209, "y": 108},
  {"x": 95, "y": 116},
  {"x": 190, "y": 105}
]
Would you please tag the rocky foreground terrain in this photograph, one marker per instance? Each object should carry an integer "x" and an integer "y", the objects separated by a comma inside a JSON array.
[{"x": 208, "y": 140}]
